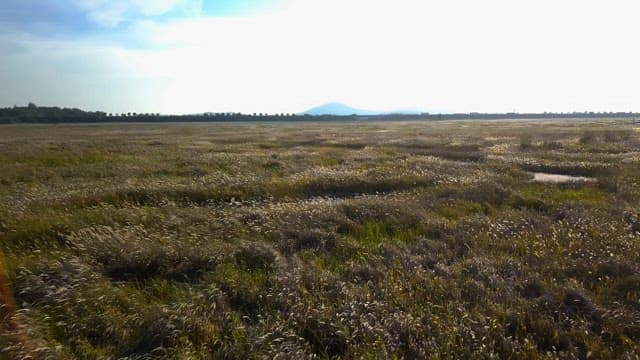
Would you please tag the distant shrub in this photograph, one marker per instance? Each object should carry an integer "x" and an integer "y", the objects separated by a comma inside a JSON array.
[
  {"x": 627, "y": 291},
  {"x": 256, "y": 257},
  {"x": 616, "y": 135},
  {"x": 273, "y": 165},
  {"x": 486, "y": 193},
  {"x": 577, "y": 304},
  {"x": 526, "y": 142},
  {"x": 325, "y": 339},
  {"x": 528, "y": 203},
  {"x": 532, "y": 289},
  {"x": 473, "y": 292},
  {"x": 588, "y": 137},
  {"x": 551, "y": 145},
  {"x": 364, "y": 273},
  {"x": 614, "y": 269},
  {"x": 313, "y": 239}
]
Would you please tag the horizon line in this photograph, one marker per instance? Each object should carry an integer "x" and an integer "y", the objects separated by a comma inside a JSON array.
[{"x": 306, "y": 112}]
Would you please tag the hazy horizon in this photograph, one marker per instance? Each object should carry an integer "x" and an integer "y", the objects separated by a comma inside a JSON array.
[{"x": 193, "y": 56}]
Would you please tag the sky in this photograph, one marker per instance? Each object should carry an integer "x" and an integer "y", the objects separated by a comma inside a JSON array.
[{"x": 191, "y": 56}]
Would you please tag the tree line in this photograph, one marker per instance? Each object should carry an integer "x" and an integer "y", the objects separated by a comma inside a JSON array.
[{"x": 51, "y": 114}]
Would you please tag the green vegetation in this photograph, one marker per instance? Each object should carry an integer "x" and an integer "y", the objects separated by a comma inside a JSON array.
[
  {"x": 33, "y": 114},
  {"x": 333, "y": 240}
]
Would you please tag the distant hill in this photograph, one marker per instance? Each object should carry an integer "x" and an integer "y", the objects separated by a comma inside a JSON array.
[{"x": 338, "y": 109}]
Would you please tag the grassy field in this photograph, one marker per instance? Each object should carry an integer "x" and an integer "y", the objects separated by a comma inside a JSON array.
[{"x": 354, "y": 240}]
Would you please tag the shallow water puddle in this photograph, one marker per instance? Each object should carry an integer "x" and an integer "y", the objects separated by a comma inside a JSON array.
[{"x": 559, "y": 178}]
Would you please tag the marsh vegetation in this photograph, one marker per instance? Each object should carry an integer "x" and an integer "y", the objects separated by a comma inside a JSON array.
[{"x": 342, "y": 240}]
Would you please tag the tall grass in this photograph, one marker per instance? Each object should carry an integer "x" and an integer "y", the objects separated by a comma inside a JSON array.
[{"x": 391, "y": 240}]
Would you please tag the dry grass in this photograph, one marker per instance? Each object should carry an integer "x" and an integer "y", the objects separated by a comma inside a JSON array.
[{"x": 353, "y": 240}]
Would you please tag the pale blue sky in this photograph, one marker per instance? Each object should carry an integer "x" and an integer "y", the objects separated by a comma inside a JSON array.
[{"x": 182, "y": 56}]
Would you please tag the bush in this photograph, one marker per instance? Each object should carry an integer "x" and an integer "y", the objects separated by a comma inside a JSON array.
[{"x": 256, "y": 258}]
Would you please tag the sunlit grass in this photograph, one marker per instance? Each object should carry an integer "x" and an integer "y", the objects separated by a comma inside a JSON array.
[{"x": 378, "y": 240}]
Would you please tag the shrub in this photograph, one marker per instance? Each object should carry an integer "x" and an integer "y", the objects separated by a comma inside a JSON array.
[{"x": 256, "y": 258}]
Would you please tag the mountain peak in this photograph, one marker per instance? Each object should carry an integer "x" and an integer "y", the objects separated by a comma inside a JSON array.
[{"x": 335, "y": 108}]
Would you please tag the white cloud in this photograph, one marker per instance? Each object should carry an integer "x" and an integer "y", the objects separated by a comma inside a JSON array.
[
  {"x": 110, "y": 13},
  {"x": 74, "y": 74},
  {"x": 458, "y": 56}
]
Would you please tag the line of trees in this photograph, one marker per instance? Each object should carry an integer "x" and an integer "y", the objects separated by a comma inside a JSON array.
[{"x": 43, "y": 114}]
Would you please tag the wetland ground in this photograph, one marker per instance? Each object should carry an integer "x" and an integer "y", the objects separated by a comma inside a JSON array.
[{"x": 340, "y": 240}]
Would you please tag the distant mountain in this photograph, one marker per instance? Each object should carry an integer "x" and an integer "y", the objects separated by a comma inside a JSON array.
[
  {"x": 342, "y": 109},
  {"x": 338, "y": 109}
]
